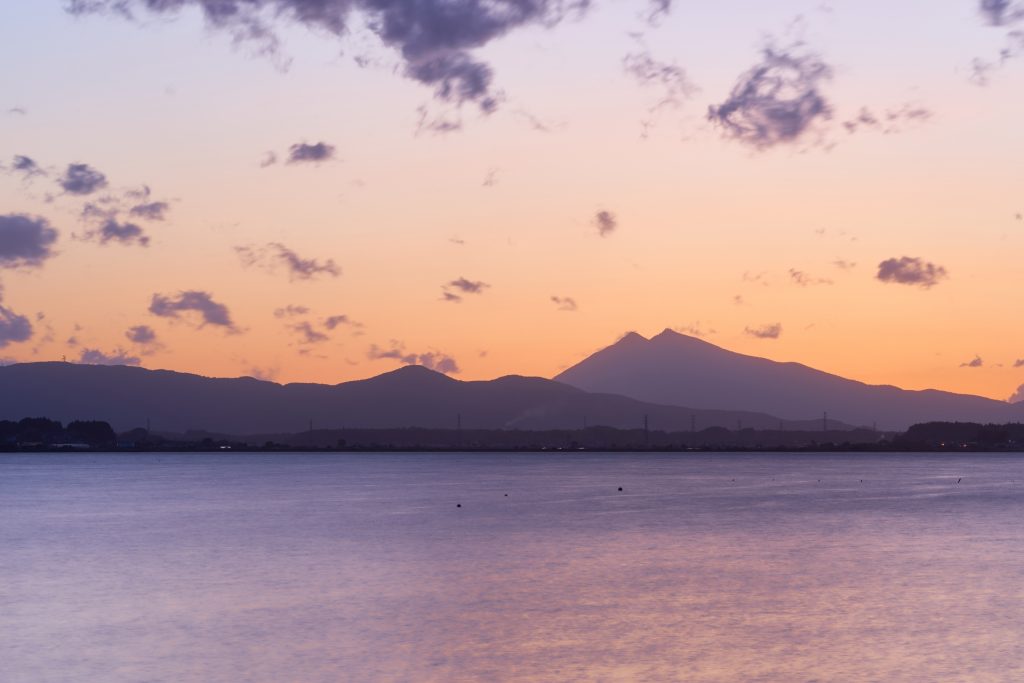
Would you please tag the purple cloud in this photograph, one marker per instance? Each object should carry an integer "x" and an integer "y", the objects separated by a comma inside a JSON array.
[
  {"x": 82, "y": 179},
  {"x": 976, "y": 362},
  {"x": 141, "y": 334},
  {"x": 1017, "y": 396},
  {"x": 887, "y": 122},
  {"x": 773, "y": 331},
  {"x": 431, "y": 360},
  {"x": 14, "y": 328},
  {"x": 210, "y": 312},
  {"x": 776, "y": 102},
  {"x": 911, "y": 271},
  {"x": 275, "y": 255},
  {"x": 338, "y": 320},
  {"x": 306, "y": 153},
  {"x": 605, "y": 222},
  {"x": 25, "y": 241},
  {"x": 1001, "y": 12},
  {"x": 434, "y": 38},
  {"x": 123, "y": 233},
  {"x": 804, "y": 280},
  {"x": 150, "y": 211},
  {"x": 26, "y": 166},
  {"x": 308, "y": 334},
  {"x": 116, "y": 357},
  {"x": 290, "y": 311}
]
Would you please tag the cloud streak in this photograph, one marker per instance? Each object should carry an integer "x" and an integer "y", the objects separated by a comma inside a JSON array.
[
  {"x": 432, "y": 360},
  {"x": 275, "y": 255},
  {"x": 773, "y": 331}
]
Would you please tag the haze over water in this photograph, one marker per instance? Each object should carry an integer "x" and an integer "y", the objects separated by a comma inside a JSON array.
[{"x": 298, "y": 567}]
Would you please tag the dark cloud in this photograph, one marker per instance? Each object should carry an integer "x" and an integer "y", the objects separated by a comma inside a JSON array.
[
  {"x": 123, "y": 233},
  {"x": 1019, "y": 363},
  {"x": 290, "y": 311},
  {"x": 1017, "y": 396},
  {"x": 776, "y": 102},
  {"x": 150, "y": 211},
  {"x": 116, "y": 357},
  {"x": 804, "y": 280},
  {"x": 210, "y": 312},
  {"x": 605, "y": 222},
  {"x": 433, "y": 37},
  {"x": 308, "y": 334},
  {"x": 564, "y": 303},
  {"x": 975, "y": 362},
  {"x": 304, "y": 153},
  {"x": 26, "y": 166},
  {"x": 275, "y": 255},
  {"x": 773, "y": 331},
  {"x": 25, "y": 241},
  {"x": 890, "y": 121},
  {"x": 910, "y": 271},
  {"x": 82, "y": 179},
  {"x": 14, "y": 328},
  {"x": 432, "y": 360},
  {"x": 141, "y": 334},
  {"x": 1001, "y": 12}
]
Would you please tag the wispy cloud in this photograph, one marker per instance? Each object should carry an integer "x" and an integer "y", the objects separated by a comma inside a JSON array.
[
  {"x": 890, "y": 121},
  {"x": 432, "y": 360},
  {"x": 308, "y": 334},
  {"x": 773, "y": 331},
  {"x": 975, "y": 362},
  {"x": 778, "y": 101},
  {"x": 290, "y": 311},
  {"x": 116, "y": 357},
  {"x": 804, "y": 280},
  {"x": 193, "y": 301},
  {"x": 564, "y": 303},
  {"x": 908, "y": 270},
  {"x": 26, "y": 166},
  {"x": 461, "y": 286},
  {"x": 276, "y": 255}
]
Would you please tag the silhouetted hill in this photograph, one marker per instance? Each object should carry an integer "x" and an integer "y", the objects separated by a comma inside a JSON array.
[
  {"x": 676, "y": 369},
  {"x": 412, "y": 396}
]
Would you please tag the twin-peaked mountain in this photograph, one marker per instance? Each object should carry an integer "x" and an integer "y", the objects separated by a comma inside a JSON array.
[
  {"x": 675, "y": 369},
  {"x": 412, "y": 396}
]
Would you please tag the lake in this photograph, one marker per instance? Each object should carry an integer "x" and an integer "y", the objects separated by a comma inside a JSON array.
[{"x": 363, "y": 567}]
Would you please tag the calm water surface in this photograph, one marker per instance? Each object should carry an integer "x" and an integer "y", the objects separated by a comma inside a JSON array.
[{"x": 309, "y": 568}]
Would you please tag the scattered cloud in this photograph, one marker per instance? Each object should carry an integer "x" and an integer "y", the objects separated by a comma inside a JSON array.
[
  {"x": 842, "y": 264},
  {"x": 605, "y": 222},
  {"x": 804, "y": 280},
  {"x": 776, "y": 102},
  {"x": 14, "y": 328},
  {"x": 462, "y": 286},
  {"x": 274, "y": 255},
  {"x": 150, "y": 211},
  {"x": 432, "y": 360},
  {"x": 269, "y": 159},
  {"x": 82, "y": 179},
  {"x": 1019, "y": 363},
  {"x": 773, "y": 331},
  {"x": 210, "y": 312},
  {"x": 1001, "y": 12},
  {"x": 671, "y": 78},
  {"x": 564, "y": 303},
  {"x": 123, "y": 233},
  {"x": 116, "y": 357},
  {"x": 888, "y": 122},
  {"x": 491, "y": 178},
  {"x": 290, "y": 311},
  {"x": 1017, "y": 396},
  {"x": 335, "y": 321},
  {"x": 25, "y": 241},
  {"x": 141, "y": 334},
  {"x": 308, "y": 334},
  {"x": 976, "y": 362},
  {"x": 695, "y": 330},
  {"x": 26, "y": 166},
  {"x": 433, "y": 37},
  {"x": 911, "y": 271},
  {"x": 310, "y": 153},
  {"x": 457, "y": 240},
  {"x": 19, "y": 111}
]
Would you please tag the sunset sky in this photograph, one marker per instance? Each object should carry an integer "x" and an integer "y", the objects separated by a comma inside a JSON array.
[{"x": 321, "y": 190}]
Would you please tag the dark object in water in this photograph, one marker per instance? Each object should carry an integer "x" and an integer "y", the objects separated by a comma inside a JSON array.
[
  {"x": 620, "y": 488},
  {"x": 458, "y": 505}
]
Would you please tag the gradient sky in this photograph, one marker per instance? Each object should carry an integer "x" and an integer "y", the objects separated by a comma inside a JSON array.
[{"x": 768, "y": 241}]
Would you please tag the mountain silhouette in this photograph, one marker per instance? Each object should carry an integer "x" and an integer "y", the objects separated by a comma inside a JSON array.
[
  {"x": 413, "y": 396},
  {"x": 676, "y": 369}
]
